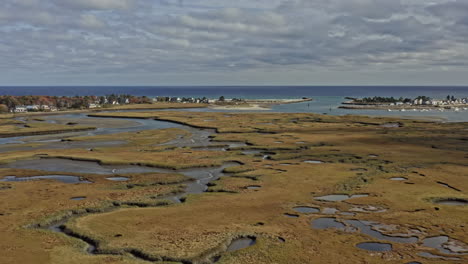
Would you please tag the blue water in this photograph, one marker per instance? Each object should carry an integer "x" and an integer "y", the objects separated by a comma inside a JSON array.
[
  {"x": 249, "y": 92},
  {"x": 327, "y": 99}
]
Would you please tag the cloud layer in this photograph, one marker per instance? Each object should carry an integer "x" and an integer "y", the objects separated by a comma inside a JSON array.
[{"x": 175, "y": 41}]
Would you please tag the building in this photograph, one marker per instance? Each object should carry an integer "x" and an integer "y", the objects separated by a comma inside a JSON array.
[
  {"x": 19, "y": 109},
  {"x": 44, "y": 107},
  {"x": 32, "y": 107}
]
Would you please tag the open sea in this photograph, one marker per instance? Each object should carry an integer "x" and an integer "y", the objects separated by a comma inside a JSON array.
[{"x": 326, "y": 98}]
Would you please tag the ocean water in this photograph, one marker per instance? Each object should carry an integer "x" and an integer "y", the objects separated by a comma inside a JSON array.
[
  {"x": 248, "y": 92},
  {"x": 327, "y": 99}
]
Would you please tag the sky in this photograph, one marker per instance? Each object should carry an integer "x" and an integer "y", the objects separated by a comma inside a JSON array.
[{"x": 242, "y": 42}]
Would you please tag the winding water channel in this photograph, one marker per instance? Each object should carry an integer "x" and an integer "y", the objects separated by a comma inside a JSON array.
[{"x": 201, "y": 177}]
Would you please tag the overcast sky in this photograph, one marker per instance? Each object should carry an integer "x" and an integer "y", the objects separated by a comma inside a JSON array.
[{"x": 245, "y": 42}]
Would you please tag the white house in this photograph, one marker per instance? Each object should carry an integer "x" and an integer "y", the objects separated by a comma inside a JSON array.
[
  {"x": 20, "y": 109},
  {"x": 32, "y": 107}
]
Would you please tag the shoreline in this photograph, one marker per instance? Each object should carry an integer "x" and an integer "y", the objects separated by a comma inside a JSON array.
[
  {"x": 258, "y": 104},
  {"x": 403, "y": 108}
]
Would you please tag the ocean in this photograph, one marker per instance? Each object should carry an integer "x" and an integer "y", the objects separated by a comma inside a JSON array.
[
  {"x": 248, "y": 92},
  {"x": 327, "y": 99}
]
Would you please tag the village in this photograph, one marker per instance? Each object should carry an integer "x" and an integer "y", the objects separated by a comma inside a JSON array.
[
  {"x": 22, "y": 104},
  {"x": 422, "y": 103}
]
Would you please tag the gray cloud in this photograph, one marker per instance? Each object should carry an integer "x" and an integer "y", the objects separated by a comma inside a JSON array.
[{"x": 169, "y": 37}]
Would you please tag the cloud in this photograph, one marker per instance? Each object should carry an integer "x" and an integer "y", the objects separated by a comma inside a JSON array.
[
  {"x": 77, "y": 37},
  {"x": 90, "y": 21},
  {"x": 96, "y": 4}
]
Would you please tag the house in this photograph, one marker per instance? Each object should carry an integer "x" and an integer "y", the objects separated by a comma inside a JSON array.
[
  {"x": 20, "y": 109},
  {"x": 92, "y": 106},
  {"x": 32, "y": 107},
  {"x": 44, "y": 107}
]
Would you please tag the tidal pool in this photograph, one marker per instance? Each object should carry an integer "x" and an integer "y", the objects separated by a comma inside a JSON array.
[
  {"x": 398, "y": 179},
  {"x": 61, "y": 178},
  {"x": 313, "y": 161},
  {"x": 365, "y": 227},
  {"x": 390, "y": 125},
  {"x": 433, "y": 256},
  {"x": 327, "y": 222},
  {"x": 446, "y": 245},
  {"x": 454, "y": 201},
  {"x": 291, "y": 215},
  {"x": 339, "y": 197},
  {"x": 241, "y": 243},
  {"x": 306, "y": 209},
  {"x": 117, "y": 178},
  {"x": 329, "y": 210},
  {"x": 78, "y": 198},
  {"x": 375, "y": 246},
  {"x": 252, "y": 152}
]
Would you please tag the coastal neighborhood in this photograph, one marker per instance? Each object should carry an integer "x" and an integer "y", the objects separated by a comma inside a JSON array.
[
  {"x": 23, "y": 104},
  {"x": 421, "y": 103}
]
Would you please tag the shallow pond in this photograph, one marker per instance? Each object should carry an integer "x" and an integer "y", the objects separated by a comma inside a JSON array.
[
  {"x": 306, "y": 209},
  {"x": 79, "y": 198},
  {"x": 339, "y": 197},
  {"x": 252, "y": 152},
  {"x": 327, "y": 222},
  {"x": 452, "y": 202},
  {"x": 398, "y": 179},
  {"x": 313, "y": 161},
  {"x": 365, "y": 227},
  {"x": 374, "y": 246},
  {"x": 433, "y": 256},
  {"x": 117, "y": 179},
  {"x": 291, "y": 215},
  {"x": 241, "y": 243},
  {"x": 391, "y": 125},
  {"x": 61, "y": 178}
]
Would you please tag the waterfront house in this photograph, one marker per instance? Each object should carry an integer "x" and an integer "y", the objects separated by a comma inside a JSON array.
[
  {"x": 44, "y": 108},
  {"x": 32, "y": 107},
  {"x": 19, "y": 109}
]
